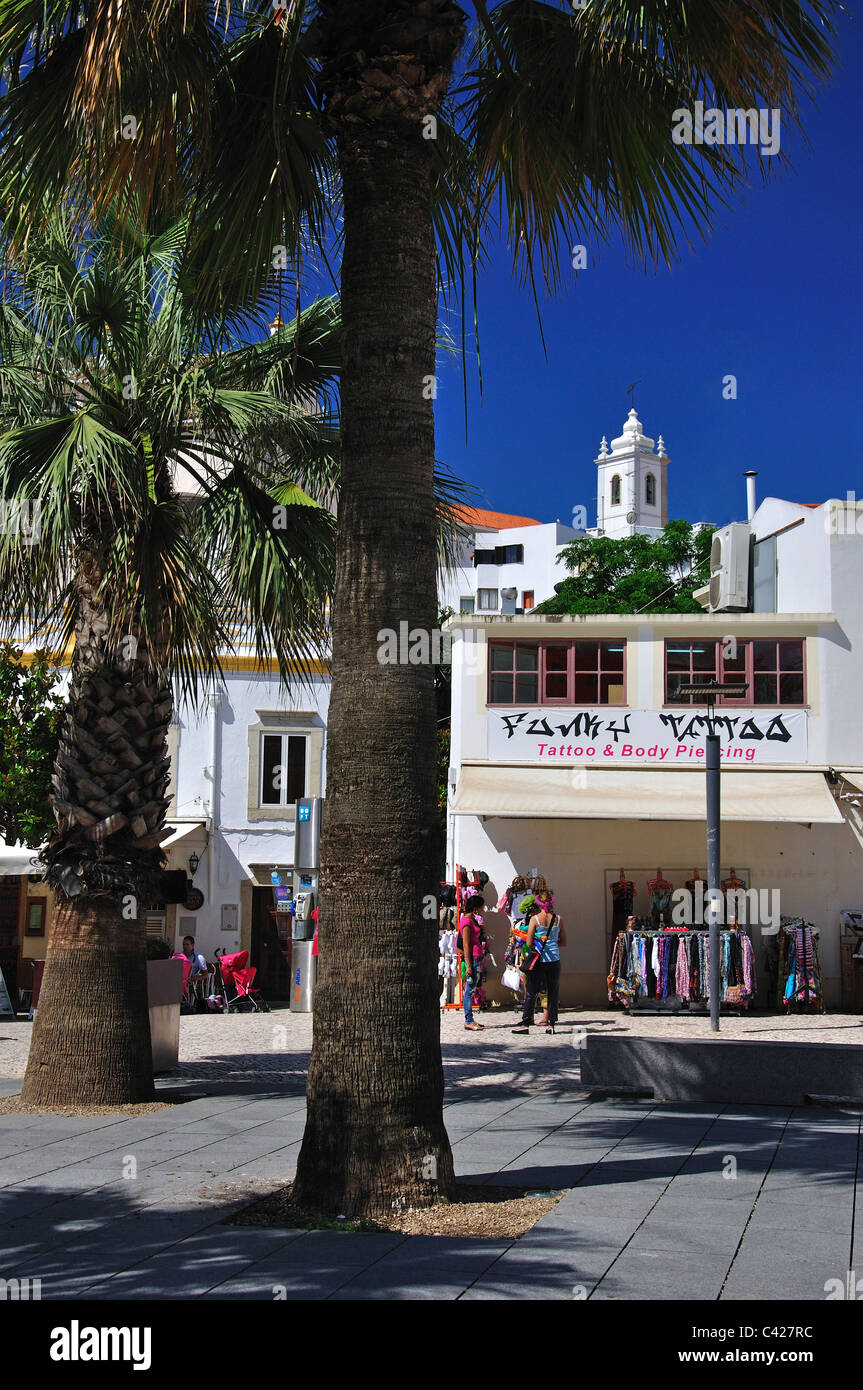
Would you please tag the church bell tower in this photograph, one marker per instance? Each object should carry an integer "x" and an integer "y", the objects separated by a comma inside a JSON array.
[{"x": 631, "y": 484}]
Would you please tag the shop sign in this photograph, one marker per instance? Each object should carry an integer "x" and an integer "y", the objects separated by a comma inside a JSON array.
[{"x": 652, "y": 738}]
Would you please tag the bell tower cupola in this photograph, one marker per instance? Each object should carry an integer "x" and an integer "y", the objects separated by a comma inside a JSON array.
[{"x": 632, "y": 483}]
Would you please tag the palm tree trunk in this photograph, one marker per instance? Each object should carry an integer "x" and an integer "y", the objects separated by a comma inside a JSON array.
[
  {"x": 91, "y": 1038},
  {"x": 375, "y": 1139}
]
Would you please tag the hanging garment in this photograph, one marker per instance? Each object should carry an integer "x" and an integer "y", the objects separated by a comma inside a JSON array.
[
  {"x": 622, "y": 895},
  {"x": 791, "y": 971},
  {"x": 705, "y": 972},
  {"x": 659, "y": 898},
  {"x": 614, "y": 969},
  {"x": 749, "y": 976},
  {"x": 724, "y": 963},
  {"x": 667, "y": 980},
  {"x": 504, "y": 902},
  {"x": 681, "y": 983},
  {"x": 730, "y": 885},
  {"x": 741, "y": 973},
  {"x": 654, "y": 957},
  {"x": 806, "y": 986}
]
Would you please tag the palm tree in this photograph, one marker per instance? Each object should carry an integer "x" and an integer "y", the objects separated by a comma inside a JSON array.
[
  {"x": 107, "y": 391},
  {"x": 557, "y": 124}
]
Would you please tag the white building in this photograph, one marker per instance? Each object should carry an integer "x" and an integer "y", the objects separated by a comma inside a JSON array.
[
  {"x": 230, "y": 822},
  {"x": 506, "y": 564},
  {"x": 572, "y": 757}
]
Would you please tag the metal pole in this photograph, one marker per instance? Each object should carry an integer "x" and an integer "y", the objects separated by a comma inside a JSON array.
[{"x": 713, "y": 871}]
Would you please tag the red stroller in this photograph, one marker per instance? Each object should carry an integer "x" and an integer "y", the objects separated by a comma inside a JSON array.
[{"x": 237, "y": 979}]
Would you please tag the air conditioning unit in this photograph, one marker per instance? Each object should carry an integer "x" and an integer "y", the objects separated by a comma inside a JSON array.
[
  {"x": 508, "y": 600},
  {"x": 729, "y": 568}
]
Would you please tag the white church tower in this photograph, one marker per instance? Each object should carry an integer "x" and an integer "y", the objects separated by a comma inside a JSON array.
[{"x": 632, "y": 484}]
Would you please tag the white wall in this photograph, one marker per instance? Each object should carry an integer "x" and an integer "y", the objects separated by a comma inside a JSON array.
[
  {"x": 538, "y": 572},
  {"x": 235, "y": 840}
]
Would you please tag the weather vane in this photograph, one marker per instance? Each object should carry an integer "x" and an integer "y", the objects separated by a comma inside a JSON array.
[{"x": 630, "y": 392}]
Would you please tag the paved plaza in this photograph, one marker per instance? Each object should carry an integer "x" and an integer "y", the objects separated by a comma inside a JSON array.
[{"x": 670, "y": 1201}]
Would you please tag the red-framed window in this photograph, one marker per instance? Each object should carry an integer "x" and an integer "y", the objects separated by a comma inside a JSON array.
[
  {"x": 557, "y": 673},
  {"x": 774, "y": 669}
]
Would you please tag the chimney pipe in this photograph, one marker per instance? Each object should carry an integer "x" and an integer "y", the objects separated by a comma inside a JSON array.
[{"x": 751, "y": 504}]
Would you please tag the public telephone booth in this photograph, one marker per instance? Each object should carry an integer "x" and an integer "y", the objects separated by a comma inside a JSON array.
[{"x": 307, "y": 839}]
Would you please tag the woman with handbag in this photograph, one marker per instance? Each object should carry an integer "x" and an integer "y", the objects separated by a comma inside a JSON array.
[
  {"x": 541, "y": 965},
  {"x": 472, "y": 934}
]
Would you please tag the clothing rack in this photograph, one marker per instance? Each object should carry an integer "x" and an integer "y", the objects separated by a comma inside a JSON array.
[
  {"x": 676, "y": 931},
  {"x": 668, "y": 979},
  {"x": 793, "y": 956}
]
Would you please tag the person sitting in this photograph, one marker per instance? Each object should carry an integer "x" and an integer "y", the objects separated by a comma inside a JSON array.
[{"x": 195, "y": 959}]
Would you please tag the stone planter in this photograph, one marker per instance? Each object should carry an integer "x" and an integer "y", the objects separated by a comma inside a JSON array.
[{"x": 164, "y": 992}]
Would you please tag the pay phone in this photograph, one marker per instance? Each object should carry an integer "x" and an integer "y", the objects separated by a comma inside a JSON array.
[
  {"x": 305, "y": 898},
  {"x": 307, "y": 831}
]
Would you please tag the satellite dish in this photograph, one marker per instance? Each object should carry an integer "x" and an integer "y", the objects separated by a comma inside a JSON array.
[{"x": 630, "y": 518}]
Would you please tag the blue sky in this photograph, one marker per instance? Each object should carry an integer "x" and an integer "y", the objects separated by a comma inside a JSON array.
[{"x": 773, "y": 297}]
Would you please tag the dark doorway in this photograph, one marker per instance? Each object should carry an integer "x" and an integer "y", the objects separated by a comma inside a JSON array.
[
  {"x": 10, "y": 895},
  {"x": 271, "y": 946}
]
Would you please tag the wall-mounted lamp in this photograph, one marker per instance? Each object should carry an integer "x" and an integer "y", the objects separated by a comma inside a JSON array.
[{"x": 194, "y": 861}]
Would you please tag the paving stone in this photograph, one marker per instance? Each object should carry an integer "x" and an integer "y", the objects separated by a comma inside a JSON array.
[
  {"x": 793, "y": 1280},
  {"x": 663, "y": 1274},
  {"x": 647, "y": 1182},
  {"x": 790, "y": 1242},
  {"x": 773, "y": 1217},
  {"x": 526, "y": 1281},
  {"x": 433, "y": 1285},
  {"x": 717, "y": 1240},
  {"x": 300, "y": 1280}
]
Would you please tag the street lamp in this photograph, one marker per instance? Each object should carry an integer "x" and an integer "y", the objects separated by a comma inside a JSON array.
[
  {"x": 194, "y": 861},
  {"x": 708, "y": 691}
]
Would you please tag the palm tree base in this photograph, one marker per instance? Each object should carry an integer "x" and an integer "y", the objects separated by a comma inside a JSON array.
[
  {"x": 91, "y": 1036},
  {"x": 372, "y": 1165}
]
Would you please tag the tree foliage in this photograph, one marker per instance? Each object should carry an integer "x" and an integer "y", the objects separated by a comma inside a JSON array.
[
  {"x": 31, "y": 715},
  {"x": 557, "y": 124},
  {"x": 636, "y": 574}
]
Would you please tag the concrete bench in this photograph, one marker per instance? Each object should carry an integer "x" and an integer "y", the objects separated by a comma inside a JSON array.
[{"x": 759, "y": 1073}]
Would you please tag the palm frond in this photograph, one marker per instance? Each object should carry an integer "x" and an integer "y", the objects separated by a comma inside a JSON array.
[
  {"x": 570, "y": 115},
  {"x": 105, "y": 390},
  {"x": 274, "y": 562}
]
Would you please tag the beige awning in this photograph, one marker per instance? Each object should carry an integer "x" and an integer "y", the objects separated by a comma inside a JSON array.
[
  {"x": 855, "y": 779},
  {"x": 604, "y": 794}
]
